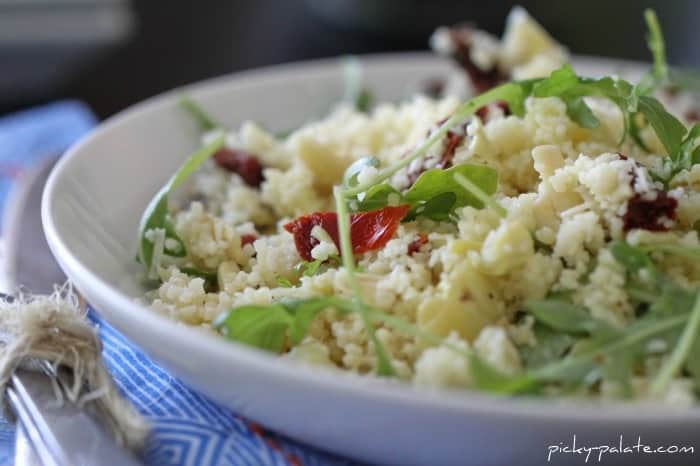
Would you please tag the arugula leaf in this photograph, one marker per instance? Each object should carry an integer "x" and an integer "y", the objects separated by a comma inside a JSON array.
[
  {"x": 587, "y": 353},
  {"x": 355, "y": 92},
  {"x": 436, "y": 194},
  {"x": 632, "y": 258},
  {"x": 308, "y": 268},
  {"x": 564, "y": 316},
  {"x": 672, "y": 299},
  {"x": 492, "y": 380},
  {"x": 675, "y": 249},
  {"x": 655, "y": 40},
  {"x": 264, "y": 327},
  {"x": 378, "y": 197},
  {"x": 269, "y": 327},
  {"x": 157, "y": 217},
  {"x": 688, "y": 153},
  {"x": 551, "y": 346},
  {"x": 440, "y": 208},
  {"x": 692, "y": 364},
  {"x": 284, "y": 282},
  {"x": 566, "y": 85},
  {"x": 364, "y": 100},
  {"x": 480, "y": 194},
  {"x": 434, "y": 182},
  {"x": 696, "y": 225},
  {"x": 384, "y": 366},
  {"x": 305, "y": 311},
  {"x": 206, "y": 123},
  {"x": 668, "y": 129},
  {"x": 680, "y": 353}
]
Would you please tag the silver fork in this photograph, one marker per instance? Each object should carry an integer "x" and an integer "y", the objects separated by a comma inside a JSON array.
[{"x": 61, "y": 434}]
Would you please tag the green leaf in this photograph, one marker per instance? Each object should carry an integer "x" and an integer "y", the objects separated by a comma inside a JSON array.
[
  {"x": 563, "y": 316},
  {"x": 692, "y": 364},
  {"x": 439, "y": 208},
  {"x": 581, "y": 113},
  {"x": 364, "y": 100},
  {"x": 436, "y": 194},
  {"x": 696, "y": 226},
  {"x": 435, "y": 182},
  {"x": 384, "y": 366},
  {"x": 489, "y": 379},
  {"x": 680, "y": 353},
  {"x": 206, "y": 123},
  {"x": 157, "y": 216},
  {"x": 672, "y": 299},
  {"x": 355, "y": 92},
  {"x": 513, "y": 93},
  {"x": 378, "y": 197},
  {"x": 305, "y": 311},
  {"x": 680, "y": 250},
  {"x": 551, "y": 346},
  {"x": 688, "y": 153},
  {"x": 566, "y": 85},
  {"x": 268, "y": 327},
  {"x": 588, "y": 356},
  {"x": 655, "y": 41},
  {"x": 659, "y": 73},
  {"x": 632, "y": 258},
  {"x": 284, "y": 282},
  {"x": 264, "y": 327},
  {"x": 561, "y": 81},
  {"x": 668, "y": 129},
  {"x": 308, "y": 268}
]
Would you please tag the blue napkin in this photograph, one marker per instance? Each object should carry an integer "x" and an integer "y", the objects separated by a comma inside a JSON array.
[{"x": 188, "y": 428}]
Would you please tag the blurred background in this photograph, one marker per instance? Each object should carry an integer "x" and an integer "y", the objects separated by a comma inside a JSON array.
[{"x": 112, "y": 53}]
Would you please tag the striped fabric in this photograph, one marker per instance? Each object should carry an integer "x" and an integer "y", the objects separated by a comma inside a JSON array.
[{"x": 188, "y": 428}]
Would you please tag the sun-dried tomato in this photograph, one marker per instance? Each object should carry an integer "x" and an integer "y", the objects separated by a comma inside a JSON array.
[
  {"x": 650, "y": 214},
  {"x": 245, "y": 164},
  {"x": 368, "y": 230},
  {"x": 482, "y": 80},
  {"x": 645, "y": 212},
  {"x": 248, "y": 239},
  {"x": 415, "y": 245}
]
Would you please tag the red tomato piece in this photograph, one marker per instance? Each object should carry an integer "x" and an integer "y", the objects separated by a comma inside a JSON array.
[
  {"x": 245, "y": 164},
  {"x": 368, "y": 230},
  {"x": 248, "y": 239}
]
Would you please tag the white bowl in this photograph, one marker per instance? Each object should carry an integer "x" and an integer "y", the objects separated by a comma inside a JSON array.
[{"x": 91, "y": 208}]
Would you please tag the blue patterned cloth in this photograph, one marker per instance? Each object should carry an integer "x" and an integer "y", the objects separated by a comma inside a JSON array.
[{"x": 188, "y": 429}]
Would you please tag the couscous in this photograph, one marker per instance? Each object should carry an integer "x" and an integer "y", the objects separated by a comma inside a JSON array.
[{"x": 540, "y": 238}]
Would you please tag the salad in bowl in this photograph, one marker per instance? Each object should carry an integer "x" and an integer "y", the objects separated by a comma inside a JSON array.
[{"x": 514, "y": 228}]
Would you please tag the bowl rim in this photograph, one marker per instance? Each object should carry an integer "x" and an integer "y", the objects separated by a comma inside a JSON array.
[{"x": 465, "y": 401}]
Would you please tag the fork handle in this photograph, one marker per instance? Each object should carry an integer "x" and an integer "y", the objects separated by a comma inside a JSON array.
[{"x": 62, "y": 435}]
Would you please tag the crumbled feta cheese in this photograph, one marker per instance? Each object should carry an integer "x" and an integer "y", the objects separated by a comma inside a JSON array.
[
  {"x": 494, "y": 346},
  {"x": 326, "y": 246}
]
